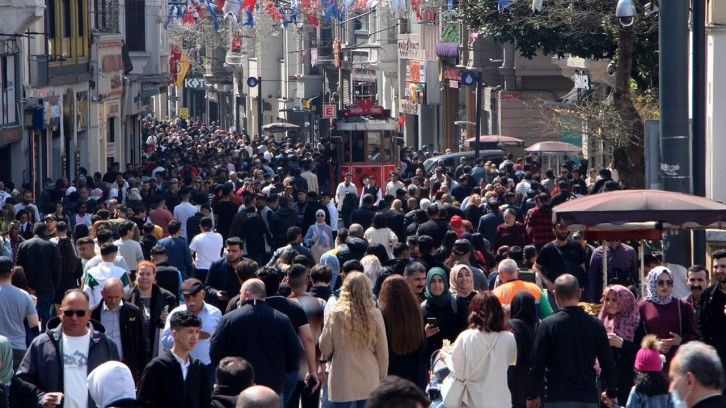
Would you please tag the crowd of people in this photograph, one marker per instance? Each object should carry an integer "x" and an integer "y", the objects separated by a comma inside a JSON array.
[{"x": 228, "y": 270}]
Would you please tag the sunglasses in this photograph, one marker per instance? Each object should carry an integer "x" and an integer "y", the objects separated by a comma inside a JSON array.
[
  {"x": 664, "y": 283},
  {"x": 69, "y": 313}
]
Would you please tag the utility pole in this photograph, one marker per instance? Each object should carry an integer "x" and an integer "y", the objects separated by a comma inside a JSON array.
[
  {"x": 674, "y": 127},
  {"x": 259, "y": 107},
  {"x": 698, "y": 106}
]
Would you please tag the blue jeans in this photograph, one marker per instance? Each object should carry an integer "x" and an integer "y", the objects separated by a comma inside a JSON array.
[
  {"x": 289, "y": 388},
  {"x": 324, "y": 401},
  {"x": 45, "y": 302},
  {"x": 350, "y": 404}
]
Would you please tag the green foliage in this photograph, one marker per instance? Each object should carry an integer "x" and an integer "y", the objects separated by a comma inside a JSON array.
[{"x": 582, "y": 28}]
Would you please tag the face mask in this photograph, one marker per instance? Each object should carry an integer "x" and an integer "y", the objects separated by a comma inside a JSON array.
[{"x": 676, "y": 398}]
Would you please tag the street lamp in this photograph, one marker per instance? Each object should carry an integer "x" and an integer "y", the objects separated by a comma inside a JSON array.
[{"x": 463, "y": 123}]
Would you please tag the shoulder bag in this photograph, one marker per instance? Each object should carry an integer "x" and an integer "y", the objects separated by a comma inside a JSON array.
[{"x": 453, "y": 389}]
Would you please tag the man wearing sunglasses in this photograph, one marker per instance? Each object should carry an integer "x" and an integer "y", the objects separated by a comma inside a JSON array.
[{"x": 58, "y": 377}]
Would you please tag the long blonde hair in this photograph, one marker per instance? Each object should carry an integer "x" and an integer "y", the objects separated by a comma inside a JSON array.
[{"x": 355, "y": 309}]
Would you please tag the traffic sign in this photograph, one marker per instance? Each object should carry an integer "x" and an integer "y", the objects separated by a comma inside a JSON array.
[
  {"x": 252, "y": 82},
  {"x": 468, "y": 78},
  {"x": 328, "y": 110}
]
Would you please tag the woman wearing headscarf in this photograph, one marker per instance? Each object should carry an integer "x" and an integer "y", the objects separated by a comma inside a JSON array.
[
  {"x": 444, "y": 314},
  {"x": 621, "y": 317},
  {"x": 332, "y": 261},
  {"x": 670, "y": 319},
  {"x": 354, "y": 336},
  {"x": 461, "y": 282},
  {"x": 523, "y": 324},
  {"x": 319, "y": 236}
]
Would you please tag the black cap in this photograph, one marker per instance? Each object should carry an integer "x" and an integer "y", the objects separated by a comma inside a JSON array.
[
  {"x": 461, "y": 247},
  {"x": 191, "y": 286}
]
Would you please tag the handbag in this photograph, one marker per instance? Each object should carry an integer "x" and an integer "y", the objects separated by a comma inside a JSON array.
[{"x": 453, "y": 389}]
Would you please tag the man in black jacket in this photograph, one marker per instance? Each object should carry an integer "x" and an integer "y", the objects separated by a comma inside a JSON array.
[
  {"x": 261, "y": 335},
  {"x": 697, "y": 377},
  {"x": 711, "y": 324},
  {"x": 59, "y": 360},
  {"x": 41, "y": 262},
  {"x": 364, "y": 215},
  {"x": 565, "y": 348},
  {"x": 233, "y": 375},
  {"x": 435, "y": 227},
  {"x": 175, "y": 378},
  {"x": 124, "y": 324}
]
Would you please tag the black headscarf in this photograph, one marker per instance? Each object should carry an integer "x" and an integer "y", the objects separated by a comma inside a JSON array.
[{"x": 523, "y": 323}]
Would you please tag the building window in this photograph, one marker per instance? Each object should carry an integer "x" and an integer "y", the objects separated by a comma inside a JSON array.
[
  {"x": 65, "y": 22},
  {"x": 135, "y": 25},
  {"x": 9, "y": 112},
  {"x": 107, "y": 16}
]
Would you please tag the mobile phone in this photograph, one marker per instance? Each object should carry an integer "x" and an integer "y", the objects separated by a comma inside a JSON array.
[
  {"x": 310, "y": 385},
  {"x": 432, "y": 321}
]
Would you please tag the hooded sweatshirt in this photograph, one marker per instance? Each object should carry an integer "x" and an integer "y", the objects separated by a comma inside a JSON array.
[{"x": 111, "y": 383}]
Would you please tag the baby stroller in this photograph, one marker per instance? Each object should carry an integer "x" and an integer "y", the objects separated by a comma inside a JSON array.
[{"x": 439, "y": 371}]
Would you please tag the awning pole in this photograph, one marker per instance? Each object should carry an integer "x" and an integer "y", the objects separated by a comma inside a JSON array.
[
  {"x": 604, "y": 267},
  {"x": 641, "y": 274}
]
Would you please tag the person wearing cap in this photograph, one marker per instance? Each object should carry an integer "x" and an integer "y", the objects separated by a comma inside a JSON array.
[
  {"x": 16, "y": 305},
  {"x": 193, "y": 293},
  {"x": 41, "y": 261}
]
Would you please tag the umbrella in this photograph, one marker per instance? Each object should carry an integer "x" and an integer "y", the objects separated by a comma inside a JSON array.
[
  {"x": 616, "y": 214},
  {"x": 496, "y": 139},
  {"x": 640, "y": 210},
  {"x": 280, "y": 127},
  {"x": 553, "y": 147}
]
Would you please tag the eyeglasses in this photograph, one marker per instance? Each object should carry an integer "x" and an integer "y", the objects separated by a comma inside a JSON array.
[
  {"x": 664, "y": 282},
  {"x": 69, "y": 313}
]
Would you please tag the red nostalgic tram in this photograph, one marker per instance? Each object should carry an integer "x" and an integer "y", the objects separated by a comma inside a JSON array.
[{"x": 367, "y": 144}]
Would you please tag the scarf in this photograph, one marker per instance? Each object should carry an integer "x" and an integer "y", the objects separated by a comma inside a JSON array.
[
  {"x": 6, "y": 359},
  {"x": 626, "y": 321},
  {"x": 652, "y": 288},
  {"x": 442, "y": 299},
  {"x": 455, "y": 274}
]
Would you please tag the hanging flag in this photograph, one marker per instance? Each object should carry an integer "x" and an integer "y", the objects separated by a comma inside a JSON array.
[
  {"x": 503, "y": 4},
  {"x": 536, "y": 6},
  {"x": 170, "y": 16},
  {"x": 329, "y": 9},
  {"x": 314, "y": 56},
  {"x": 450, "y": 5},
  {"x": 213, "y": 13},
  {"x": 231, "y": 7},
  {"x": 250, "y": 18},
  {"x": 183, "y": 69}
]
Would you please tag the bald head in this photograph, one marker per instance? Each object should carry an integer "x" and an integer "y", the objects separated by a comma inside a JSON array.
[
  {"x": 253, "y": 289},
  {"x": 567, "y": 288},
  {"x": 258, "y": 396},
  {"x": 112, "y": 292},
  {"x": 356, "y": 230}
]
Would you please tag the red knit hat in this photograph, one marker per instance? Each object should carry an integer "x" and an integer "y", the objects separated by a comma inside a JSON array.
[{"x": 648, "y": 358}]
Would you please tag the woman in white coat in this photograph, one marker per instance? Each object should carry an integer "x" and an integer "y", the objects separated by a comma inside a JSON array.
[{"x": 479, "y": 358}]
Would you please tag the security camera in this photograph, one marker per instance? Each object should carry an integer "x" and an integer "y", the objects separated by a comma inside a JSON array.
[
  {"x": 625, "y": 12},
  {"x": 612, "y": 68}
]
